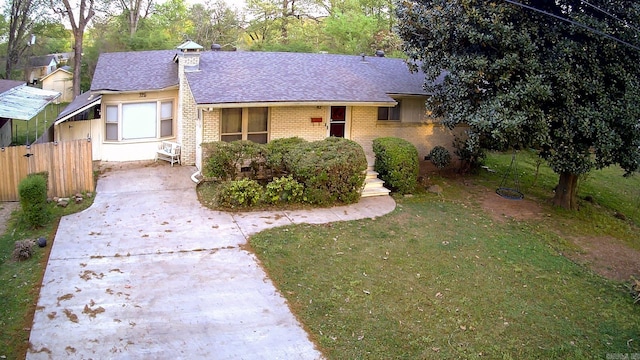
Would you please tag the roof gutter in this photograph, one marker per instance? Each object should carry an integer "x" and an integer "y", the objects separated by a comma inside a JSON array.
[
  {"x": 295, "y": 103},
  {"x": 114, "y": 92}
]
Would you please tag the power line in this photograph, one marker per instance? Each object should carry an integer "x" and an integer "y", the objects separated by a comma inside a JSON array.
[
  {"x": 625, "y": 22},
  {"x": 575, "y": 23}
]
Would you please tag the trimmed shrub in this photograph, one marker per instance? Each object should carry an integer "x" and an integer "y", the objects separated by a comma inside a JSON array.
[
  {"x": 440, "y": 157},
  {"x": 227, "y": 160},
  {"x": 278, "y": 151},
  {"x": 397, "y": 163},
  {"x": 239, "y": 193},
  {"x": 284, "y": 190},
  {"x": 332, "y": 170},
  {"x": 23, "y": 250},
  {"x": 32, "y": 191}
]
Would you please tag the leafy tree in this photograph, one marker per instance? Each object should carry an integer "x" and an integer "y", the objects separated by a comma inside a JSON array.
[
  {"x": 21, "y": 15},
  {"x": 214, "y": 23},
  {"x": 522, "y": 78}
]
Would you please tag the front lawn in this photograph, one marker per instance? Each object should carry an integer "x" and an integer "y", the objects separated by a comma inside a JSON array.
[
  {"x": 20, "y": 280},
  {"x": 440, "y": 278}
]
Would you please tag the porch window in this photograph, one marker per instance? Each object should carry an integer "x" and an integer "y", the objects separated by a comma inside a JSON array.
[
  {"x": 391, "y": 113},
  {"x": 166, "y": 119},
  {"x": 245, "y": 124},
  {"x": 111, "y": 121}
]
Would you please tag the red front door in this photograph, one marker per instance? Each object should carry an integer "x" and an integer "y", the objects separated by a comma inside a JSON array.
[{"x": 338, "y": 122}]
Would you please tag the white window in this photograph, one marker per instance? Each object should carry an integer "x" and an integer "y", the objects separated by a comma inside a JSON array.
[
  {"x": 391, "y": 113},
  {"x": 245, "y": 124},
  {"x": 112, "y": 122},
  {"x": 138, "y": 121}
]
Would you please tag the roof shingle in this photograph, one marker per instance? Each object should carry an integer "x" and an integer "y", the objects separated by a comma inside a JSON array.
[
  {"x": 135, "y": 71},
  {"x": 246, "y": 77}
]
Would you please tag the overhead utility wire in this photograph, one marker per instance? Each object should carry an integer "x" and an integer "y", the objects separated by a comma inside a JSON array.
[
  {"x": 625, "y": 22},
  {"x": 575, "y": 23}
]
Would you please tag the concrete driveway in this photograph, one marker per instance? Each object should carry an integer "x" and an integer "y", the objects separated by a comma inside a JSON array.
[{"x": 148, "y": 273}]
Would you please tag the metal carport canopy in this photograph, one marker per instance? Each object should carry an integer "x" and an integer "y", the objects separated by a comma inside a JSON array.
[{"x": 25, "y": 102}]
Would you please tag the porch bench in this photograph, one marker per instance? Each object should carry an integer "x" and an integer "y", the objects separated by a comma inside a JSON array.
[{"x": 169, "y": 151}]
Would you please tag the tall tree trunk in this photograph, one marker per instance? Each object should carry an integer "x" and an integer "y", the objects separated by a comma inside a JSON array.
[
  {"x": 19, "y": 23},
  {"x": 84, "y": 16},
  {"x": 566, "y": 191},
  {"x": 77, "y": 63}
]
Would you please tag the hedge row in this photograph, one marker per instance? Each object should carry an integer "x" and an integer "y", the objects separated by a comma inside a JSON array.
[{"x": 329, "y": 171}]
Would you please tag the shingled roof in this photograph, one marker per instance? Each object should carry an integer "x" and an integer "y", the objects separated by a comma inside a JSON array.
[
  {"x": 262, "y": 77},
  {"x": 42, "y": 61},
  {"x": 237, "y": 77},
  {"x": 135, "y": 71}
]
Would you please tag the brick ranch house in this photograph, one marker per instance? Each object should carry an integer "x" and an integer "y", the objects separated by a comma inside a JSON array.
[{"x": 191, "y": 96}]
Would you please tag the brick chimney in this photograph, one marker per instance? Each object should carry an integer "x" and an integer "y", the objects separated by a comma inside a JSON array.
[
  {"x": 189, "y": 56},
  {"x": 188, "y": 59}
]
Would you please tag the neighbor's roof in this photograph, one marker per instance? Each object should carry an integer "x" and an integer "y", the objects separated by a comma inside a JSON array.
[
  {"x": 135, "y": 71},
  {"x": 237, "y": 77},
  {"x": 40, "y": 61},
  {"x": 9, "y": 84},
  {"x": 23, "y": 102},
  {"x": 81, "y": 103},
  {"x": 62, "y": 69}
]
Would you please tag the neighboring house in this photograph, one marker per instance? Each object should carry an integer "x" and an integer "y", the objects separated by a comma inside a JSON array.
[
  {"x": 190, "y": 96},
  {"x": 60, "y": 80},
  {"x": 40, "y": 66}
]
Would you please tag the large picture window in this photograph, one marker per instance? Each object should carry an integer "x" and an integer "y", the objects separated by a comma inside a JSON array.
[
  {"x": 139, "y": 121},
  {"x": 245, "y": 124}
]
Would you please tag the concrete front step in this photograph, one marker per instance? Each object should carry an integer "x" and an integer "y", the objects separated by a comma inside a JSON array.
[
  {"x": 373, "y": 186},
  {"x": 378, "y": 191}
]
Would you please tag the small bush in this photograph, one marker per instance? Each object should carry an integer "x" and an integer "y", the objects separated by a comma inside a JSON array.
[
  {"x": 239, "y": 193},
  {"x": 225, "y": 161},
  {"x": 469, "y": 152},
  {"x": 284, "y": 190},
  {"x": 397, "y": 163},
  {"x": 440, "y": 157},
  {"x": 32, "y": 191},
  {"x": 278, "y": 151},
  {"x": 332, "y": 170},
  {"x": 23, "y": 250}
]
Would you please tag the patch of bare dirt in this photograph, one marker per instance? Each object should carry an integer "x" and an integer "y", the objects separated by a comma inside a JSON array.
[
  {"x": 6, "y": 208},
  {"x": 607, "y": 256},
  {"x": 502, "y": 209}
]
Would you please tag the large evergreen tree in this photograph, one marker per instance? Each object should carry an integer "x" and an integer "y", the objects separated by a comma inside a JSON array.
[{"x": 560, "y": 76}]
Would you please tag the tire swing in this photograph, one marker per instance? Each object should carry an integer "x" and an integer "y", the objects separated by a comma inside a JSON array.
[{"x": 511, "y": 193}]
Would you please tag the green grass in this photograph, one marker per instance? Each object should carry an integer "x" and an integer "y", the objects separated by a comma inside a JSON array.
[
  {"x": 20, "y": 280},
  {"x": 24, "y": 131},
  {"x": 438, "y": 278}
]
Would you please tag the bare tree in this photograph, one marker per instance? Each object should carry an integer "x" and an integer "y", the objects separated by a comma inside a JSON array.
[
  {"x": 135, "y": 10},
  {"x": 85, "y": 11},
  {"x": 18, "y": 37}
]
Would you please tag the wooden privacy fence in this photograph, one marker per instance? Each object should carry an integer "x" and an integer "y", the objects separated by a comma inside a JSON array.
[{"x": 68, "y": 164}]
